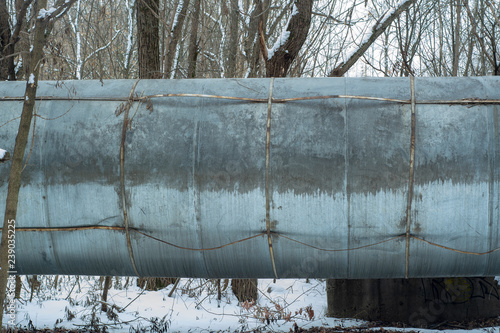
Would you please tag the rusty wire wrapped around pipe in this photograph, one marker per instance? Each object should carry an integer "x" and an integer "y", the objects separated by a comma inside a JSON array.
[{"x": 259, "y": 178}]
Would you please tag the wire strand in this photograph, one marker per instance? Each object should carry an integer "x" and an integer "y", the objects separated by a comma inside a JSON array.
[{"x": 121, "y": 228}]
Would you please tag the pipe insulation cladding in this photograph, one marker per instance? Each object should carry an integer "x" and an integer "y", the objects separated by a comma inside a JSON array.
[{"x": 258, "y": 178}]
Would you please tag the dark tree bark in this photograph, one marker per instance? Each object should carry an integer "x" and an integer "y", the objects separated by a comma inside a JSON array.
[
  {"x": 232, "y": 49},
  {"x": 19, "y": 286},
  {"x": 6, "y": 47},
  {"x": 245, "y": 289},
  {"x": 456, "y": 35},
  {"x": 107, "y": 285},
  {"x": 155, "y": 283},
  {"x": 193, "y": 40},
  {"x": 415, "y": 302},
  {"x": 279, "y": 62},
  {"x": 148, "y": 39},
  {"x": 251, "y": 45}
]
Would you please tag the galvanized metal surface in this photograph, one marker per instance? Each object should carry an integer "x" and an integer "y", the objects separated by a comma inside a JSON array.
[{"x": 194, "y": 179}]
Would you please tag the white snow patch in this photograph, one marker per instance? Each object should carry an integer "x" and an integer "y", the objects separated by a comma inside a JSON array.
[
  {"x": 2, "y": 153},
  {"x": 31, "y": 79},
  {"x": 279, "y": 42},
  {"x": 18, "y": 65},
  {"x": 401, "y": 2},
  {"x": 43, "y": 13},
  {"x": 185, "y": 311}
]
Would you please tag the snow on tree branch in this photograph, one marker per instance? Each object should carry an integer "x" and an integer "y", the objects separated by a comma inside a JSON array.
[
  {"x": 130, "y": 27},
  {"x": 61, "y": 6},
  {"x": 43, "y": 13},
  {"x": 287, "y": 46},
  {"x": 285, "y": 34},
  {"x": 377, "y": 30}
]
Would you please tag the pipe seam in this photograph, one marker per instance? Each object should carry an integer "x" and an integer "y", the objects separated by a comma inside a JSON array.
[
  {"x": 411, "y": 177},
  {"x": 126, "y": 124},
  {"x": 268, "y": 191}
]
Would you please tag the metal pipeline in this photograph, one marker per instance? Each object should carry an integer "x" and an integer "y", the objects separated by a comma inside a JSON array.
[{"x": 255, "y": 178}]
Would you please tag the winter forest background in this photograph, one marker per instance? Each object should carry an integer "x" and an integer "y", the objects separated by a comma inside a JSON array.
[
  {"x": 97, "y": 39},
  {"x": 177, "y": 39}
]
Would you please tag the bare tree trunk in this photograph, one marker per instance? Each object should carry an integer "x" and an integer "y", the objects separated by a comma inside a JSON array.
[
  {"x": 6, "y": 47},
  {"x": 176, "y": 35},
  {"x": 56, "y": 281},
  {"x": 232, "y": 47},
  {"x": 19, "y": 148},
  {"x": 251, "y": 45},
  {"x": 456, "y": 36},
  {"x": 155, "y": 283},
  {"x": 442, "y": 69},
  {"x": 219, "y": 290},
  {"x": 284, "y": 52},
  {"x": 42, "y": 29},
  {"x": 19, "y": 286},
  {"x": 35, "y": 284},
  {"x": 148, "y": 39},
  {"x": 193, "y": 40},
  {"x": 245, "y": 290},
  {"x": 107, "y": 285}
]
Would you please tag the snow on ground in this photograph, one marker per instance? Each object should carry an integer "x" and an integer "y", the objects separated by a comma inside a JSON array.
[{"x": 193, "y": 307}]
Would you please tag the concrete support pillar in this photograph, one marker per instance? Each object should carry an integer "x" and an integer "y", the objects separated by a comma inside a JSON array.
[{"x": 416, "y": 302}]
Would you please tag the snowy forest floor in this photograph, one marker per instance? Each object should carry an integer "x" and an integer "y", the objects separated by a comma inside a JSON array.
[{"x": 73, "y": 304}]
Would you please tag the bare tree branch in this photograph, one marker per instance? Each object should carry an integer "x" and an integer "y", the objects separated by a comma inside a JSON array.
[
  {"x": 474, "y": 32},
  {"x": 377, "y": 30}
]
